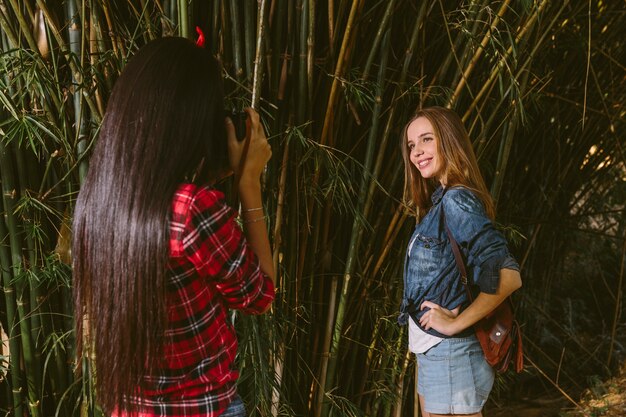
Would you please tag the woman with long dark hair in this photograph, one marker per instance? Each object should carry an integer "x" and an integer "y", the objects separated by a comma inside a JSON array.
[
  {"x": 444, "y": 186},
  {"x": 158, "y": 256}
]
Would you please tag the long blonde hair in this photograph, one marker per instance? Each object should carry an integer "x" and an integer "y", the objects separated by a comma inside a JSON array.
[{"x": 459, "y": 164}]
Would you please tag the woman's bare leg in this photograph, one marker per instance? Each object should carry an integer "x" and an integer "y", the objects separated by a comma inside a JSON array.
[{"x": 424, "y": 413}]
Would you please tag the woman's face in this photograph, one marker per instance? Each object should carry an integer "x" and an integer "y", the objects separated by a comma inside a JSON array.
[{"x": 423, "y": 149}]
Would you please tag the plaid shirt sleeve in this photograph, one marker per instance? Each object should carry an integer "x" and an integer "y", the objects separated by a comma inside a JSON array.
[{"x": 217, "y": 248}]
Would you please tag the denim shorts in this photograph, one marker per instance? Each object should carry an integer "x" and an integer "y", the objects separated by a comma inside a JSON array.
[
  {"x": 453, "y": 376},
  {"x": 235, "y": 408}
]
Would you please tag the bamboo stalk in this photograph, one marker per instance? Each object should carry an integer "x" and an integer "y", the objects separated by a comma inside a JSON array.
[
  {"x": 30, "y": 259},
  {"x": 276, "y": 75},
  {"x": 97, "y": 47},
  {"x": 237, "y": 50},
  {"x": 328, "y": 120},
  {"x": 21, "y": 290},
  {"x": 215, "y": 29},
  {"x": 74, "y": 68},
  {"x": 23, "y": 25},
  {"x": 115, "y": 41},
  {"x": 280, "y": 357},
  {"x": 382, "y": 29},
  {"x": 25, "y": 28},
  {"x": 301, "y": 114},
  {"x": 183, "y": 19},
  {"x": 258, "y": 60},
  {"x": 505, "y": 150},
  {"x": 331, "y": 26},
  {"x": 146, "y": 18},
  {"x": 501, "y": 63},
  {"x": 249, "y": 40},
  {"x": 479, "y": 51},
  {"x": 385, "y": 361},
  {"x": 397, "y": 412},
  {"x": 310, "y": 54},
  {"x": 19, "y": 391},
  {"x": 330, "y": 107},
  {"x": 7, "y": 28},
  {"x": 392, "y": 238},
  {"x": 565, "y": 394},
  {"x": 75, "y": 44},
  {"x": 357, "y": 226},
  {"x": 323, "y": 373}
]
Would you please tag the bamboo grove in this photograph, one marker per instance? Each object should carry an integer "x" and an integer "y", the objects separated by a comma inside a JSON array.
[{"x": 539, "y": 84}]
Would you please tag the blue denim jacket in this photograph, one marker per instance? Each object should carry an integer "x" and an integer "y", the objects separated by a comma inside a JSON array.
[{"x": 430, "y": 271}]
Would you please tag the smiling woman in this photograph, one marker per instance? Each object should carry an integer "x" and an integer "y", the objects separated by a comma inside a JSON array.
[
  {"x": 444, "y": 183},
  {"x": 423, "y": 147}
]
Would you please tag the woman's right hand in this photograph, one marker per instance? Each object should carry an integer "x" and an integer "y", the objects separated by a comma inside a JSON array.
[{"x": 258, "y": 152}]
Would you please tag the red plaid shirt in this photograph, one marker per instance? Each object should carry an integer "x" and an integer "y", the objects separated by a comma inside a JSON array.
[{"x": 211, "y": 270}]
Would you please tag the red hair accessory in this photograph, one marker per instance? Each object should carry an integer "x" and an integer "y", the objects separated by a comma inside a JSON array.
[{"x": 200, "y": 41}]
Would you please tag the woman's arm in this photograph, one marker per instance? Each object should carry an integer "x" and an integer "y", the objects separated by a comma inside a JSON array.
[
  {"x": 448, "y": 323},
  {"x": 253, "y": 214},
  {"x": 254, "y": 223}
]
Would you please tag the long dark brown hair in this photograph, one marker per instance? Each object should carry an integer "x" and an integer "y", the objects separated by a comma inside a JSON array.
[
  {"x": 164, "y": 117},
  {"x": 459, "y": 164}
]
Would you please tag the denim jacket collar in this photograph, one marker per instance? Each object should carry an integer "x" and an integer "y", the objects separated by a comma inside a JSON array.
[{"x": 437, "y": 194}]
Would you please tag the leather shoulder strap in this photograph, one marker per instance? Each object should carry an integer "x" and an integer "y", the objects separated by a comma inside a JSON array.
[{"x": 457, "y": 257}]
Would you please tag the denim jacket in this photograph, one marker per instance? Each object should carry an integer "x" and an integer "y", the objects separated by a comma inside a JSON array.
[{"x": 430, "y": 271}]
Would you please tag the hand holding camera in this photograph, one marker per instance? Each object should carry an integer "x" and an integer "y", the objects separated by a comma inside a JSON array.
[
  {"x": 248, "y": 148},
  {"x": 239, "y": 119}
]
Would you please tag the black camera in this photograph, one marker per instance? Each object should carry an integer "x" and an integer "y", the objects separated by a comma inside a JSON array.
[{"x": 239, "y": 120}]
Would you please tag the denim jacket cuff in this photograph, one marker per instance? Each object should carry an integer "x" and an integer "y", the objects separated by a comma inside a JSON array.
[{"x": 488, "y": 274}]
